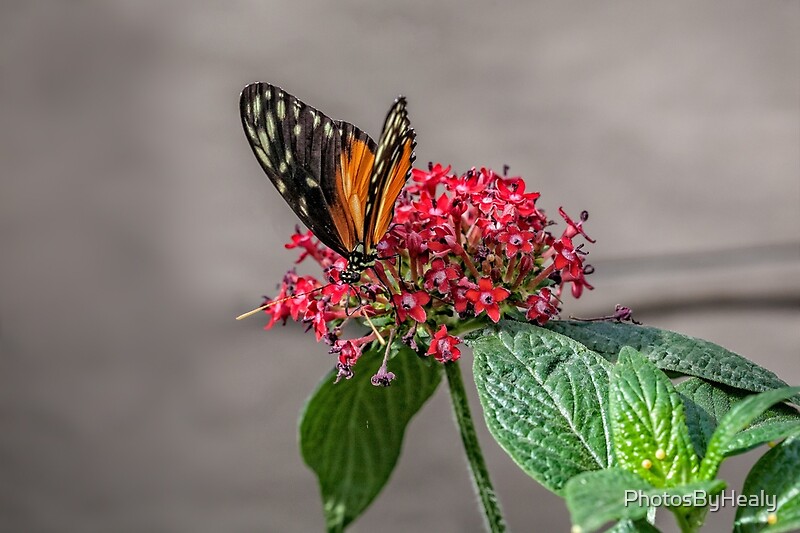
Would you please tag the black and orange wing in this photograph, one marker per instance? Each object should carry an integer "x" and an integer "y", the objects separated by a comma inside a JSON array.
[
  {"x": 392, "y": 168},
  {"x": 316, "y": 163}
]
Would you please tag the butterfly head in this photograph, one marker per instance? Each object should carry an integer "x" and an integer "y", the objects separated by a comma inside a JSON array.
[{"x": 357, "y": 262}]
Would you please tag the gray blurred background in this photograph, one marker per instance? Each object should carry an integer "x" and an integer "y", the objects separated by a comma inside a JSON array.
[{"x": 136, "y": 224}]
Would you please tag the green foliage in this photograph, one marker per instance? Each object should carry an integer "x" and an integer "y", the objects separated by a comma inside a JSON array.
[
  {"x": 586, "y": 409},
  {"x": 351, "y": 432},
  {"x": 734, "y": 421},
  {"x": 707, "y": 403},
  {"x": 545, "y": 400},
  {"x": 776, "y": 474},
  {"x": 649, "y": 427},
  {"x": 550, "y": 401},
  {"x": 596, "y": 498},
  {"x": 671, "y": 351}
]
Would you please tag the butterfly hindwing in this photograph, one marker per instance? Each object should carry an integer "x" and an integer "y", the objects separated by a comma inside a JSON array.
[
  {"x": 299, "y": 148},
  {"x": 357, "y": 159}
]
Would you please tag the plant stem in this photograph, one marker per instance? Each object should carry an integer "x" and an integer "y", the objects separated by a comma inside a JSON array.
[
  {"x": 685, "y": 521},
  {"x": 472, "y": 448}
]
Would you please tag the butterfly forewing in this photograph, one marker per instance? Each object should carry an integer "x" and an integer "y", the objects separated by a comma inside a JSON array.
[{"x": 298, "y": 147}]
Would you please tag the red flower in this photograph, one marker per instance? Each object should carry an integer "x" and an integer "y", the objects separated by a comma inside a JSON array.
[
  {"x": 317, "y": 316},
  {"x": 282, "y": 307},
  {"x": 440, "y": 275},
  {"x": 540, "y": 308},
  {"x": 388, "y": 246},
  {"x": 416, "y": 245},
  {"x": 303, "y": 294},
  {"x": 433, "y": 209},
  {"x": 322, "y": 254},
  {"x": 487, "y": 201},
  {"x": 280, "y": 311},
  {"x": 349, "y": 352},
  {"x": 578, "y": 282},
  {"x": 486, "y": 297},
  {"x": 442, "y": 240},
  {"x": 515, "y": 240},
  {"x": 470, "y": 183},
  {"x": 568, "y": 258},
  {"x": 443, "y": 346},
  {"x": 411, "y": 304},
  {"x": 404, "y": 211},
  {"x": 512, "y": 190},
  {"x": 427, "y": 181},
  {"x": 500, "y": 220},
  {"x": 459, "y": 294},
  {"x": 302, "y": 240},
  {"x": 573, "y": 228}
]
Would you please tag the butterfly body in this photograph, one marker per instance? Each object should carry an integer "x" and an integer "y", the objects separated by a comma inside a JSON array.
[
  {"x": 337, "y": 180},
  {"x": 357, "y": 262}
]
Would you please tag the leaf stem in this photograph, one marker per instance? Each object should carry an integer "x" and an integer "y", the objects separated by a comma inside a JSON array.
[{"x": 480, "y": 475}]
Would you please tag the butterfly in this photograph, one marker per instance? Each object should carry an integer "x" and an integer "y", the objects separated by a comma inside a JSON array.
[{"x": 338, "y": 181}]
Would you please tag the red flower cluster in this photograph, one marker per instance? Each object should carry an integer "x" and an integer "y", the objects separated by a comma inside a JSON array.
[{"x": 462, "y": 249}]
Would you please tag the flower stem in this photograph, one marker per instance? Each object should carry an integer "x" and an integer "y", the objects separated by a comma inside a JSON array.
[{"x": 480, "y": 475}]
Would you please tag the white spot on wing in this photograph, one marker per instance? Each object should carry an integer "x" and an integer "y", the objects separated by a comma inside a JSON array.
[
  {"x": 282, "y": 168},
  {"x": 311, "y": 183},
  {"x": 280, "y": 109},
  {"x": 297, "y": 130},
  {"x": 262, "y": 138},
  {"x": 288, "y": 156},
  {"x": 271, "y": 129},
  {"x": 262, "y": 156},
  {"x": 281, "y": 186}
]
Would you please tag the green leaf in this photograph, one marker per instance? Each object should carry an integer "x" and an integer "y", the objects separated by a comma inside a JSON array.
[
  {"x": 776, "y": 473},
  {"x": 672, "y": 352},
  {"x": 735, "y": 420},
  {"x": 595, "y": 498},
  {"x": 647, "y": 421},
  {"x": 545, "y": 400},
  {"x": 706, "y": 403},
  {"x": 351, "y": 432}
]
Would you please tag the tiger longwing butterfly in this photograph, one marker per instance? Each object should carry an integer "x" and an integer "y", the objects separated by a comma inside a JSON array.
[{"x": 337, "y": 180}]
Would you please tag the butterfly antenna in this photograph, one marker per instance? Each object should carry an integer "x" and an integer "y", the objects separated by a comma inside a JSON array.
[{"x": 275, "y": 302}]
